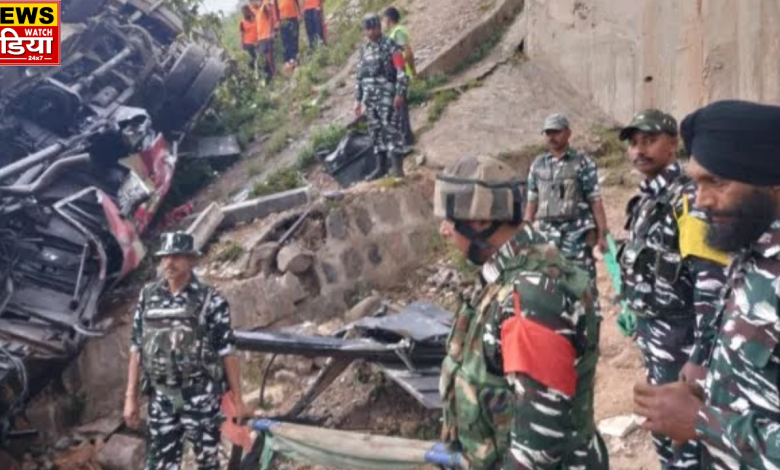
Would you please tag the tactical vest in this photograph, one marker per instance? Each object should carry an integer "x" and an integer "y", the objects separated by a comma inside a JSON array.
[
  {"x": 378, "y": 64},
  {"x": 478, "y": 403},
  {"x": 575, "y": 283},
  {"x": 176, "y": 346},
  {"x": 635, "y": 254},
  {"x": 559, "y": 189}
]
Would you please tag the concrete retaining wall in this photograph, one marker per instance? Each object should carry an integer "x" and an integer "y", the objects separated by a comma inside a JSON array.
[
  {"x": 671, "y": 54},
  {"x": 453, "y": 55},
  {"x": 371, "y": 240}
]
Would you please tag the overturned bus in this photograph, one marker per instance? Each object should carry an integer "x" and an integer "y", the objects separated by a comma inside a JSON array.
[{"x": 88, "y": 151}]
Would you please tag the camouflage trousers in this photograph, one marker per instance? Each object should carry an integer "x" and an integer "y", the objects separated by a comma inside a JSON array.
[
  {"x": 588, "y": 263},
  {"x": 592, "y": 455},
  {"x": 666, "y": 346},
  {"x": 383, "y": 120},
  {"x": 191, "y": 413},
  {"x": 482, "y": 418}
]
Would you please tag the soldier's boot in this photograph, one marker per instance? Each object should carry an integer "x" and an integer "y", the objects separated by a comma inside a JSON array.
[
  {"x": 381, "y": 167},
  {"x": 398, "y": 165}
]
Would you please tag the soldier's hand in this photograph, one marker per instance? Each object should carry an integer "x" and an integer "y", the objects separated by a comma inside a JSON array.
[
  {"x": 358, "y": 108},
  {"x": 693, "y": 373},
  {"x": 671, "y": 410},
  {"x": 603, "y": 245},
  {"x": 241, "y": 410},
  {"x": 131, "y": 412},
  {"x": 398, "y": 102}
]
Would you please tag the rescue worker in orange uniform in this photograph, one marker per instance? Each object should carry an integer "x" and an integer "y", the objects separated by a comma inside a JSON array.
[
  {"x": 266, "y": 20},
  {"x": 290, "y": 16},
  {"x": 314, "y": 19},
  {"x": 248, "y": 28}
]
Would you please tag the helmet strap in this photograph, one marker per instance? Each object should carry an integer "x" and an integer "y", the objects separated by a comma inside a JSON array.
[{"x": 478, "y": 238}]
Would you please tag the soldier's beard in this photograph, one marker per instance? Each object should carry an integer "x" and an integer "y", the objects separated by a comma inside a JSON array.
[{"x": 747, "y": 222}]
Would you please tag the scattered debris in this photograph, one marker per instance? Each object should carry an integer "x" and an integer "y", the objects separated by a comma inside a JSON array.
[
  {"x": 368, "y": 306},
  {"x": 445, "y": 278},
  {"x": 222, "y": 151},
  {"x": 620, "y": 426},
  {"x": 123, "y": 452}
]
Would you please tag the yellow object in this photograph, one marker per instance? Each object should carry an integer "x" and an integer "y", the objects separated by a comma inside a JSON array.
[
  {"x": 29, "y": 14},
  {"x": 693, "y": 242}
]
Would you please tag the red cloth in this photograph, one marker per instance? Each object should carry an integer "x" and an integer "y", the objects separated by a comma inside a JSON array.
[
  {"x": 312, "y": 4},
  {"x": 398, "y": 61},
  {"x": 537, "y": 351}
]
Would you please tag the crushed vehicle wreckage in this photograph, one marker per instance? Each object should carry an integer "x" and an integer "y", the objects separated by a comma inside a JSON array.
[
  {"x": 88, "y": 151},
  {"x": 408, "y": 347}
]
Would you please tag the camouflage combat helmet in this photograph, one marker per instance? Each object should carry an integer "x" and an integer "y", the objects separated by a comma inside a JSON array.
[
  {"x": 177, "y": 243},
  {"x": 478, "y": 188}
]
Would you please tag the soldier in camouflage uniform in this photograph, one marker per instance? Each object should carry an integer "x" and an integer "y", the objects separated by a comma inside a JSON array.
[
  {"x": 183, "y": 343},
  {"x": 519, "y": 374},
  {"x": 380, "y": 89},
  {"x": 671, "y": 277},
  {"x": 737, "y": 415},
  {"x": 565, "y": 197}
]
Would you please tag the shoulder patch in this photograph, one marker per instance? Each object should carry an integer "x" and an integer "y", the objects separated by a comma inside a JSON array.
[{"x": 693, "y": 237}]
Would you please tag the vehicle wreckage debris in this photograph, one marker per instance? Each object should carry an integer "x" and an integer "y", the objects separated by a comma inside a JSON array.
[{"x": 83, "y": 173}]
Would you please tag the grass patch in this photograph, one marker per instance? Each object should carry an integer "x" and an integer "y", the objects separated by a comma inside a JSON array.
[
  {"x": 324, "y": 140},
  {"x": 254, "y": 169},
  {"x": 421, "y": 90},
  {"x": 440, "y": 103},
  {"x": 230, "y": 252},
  {"x": 482, "y": 51},
  {"x": 282, "y": 180},
  {"x": 278, "y": 141}
]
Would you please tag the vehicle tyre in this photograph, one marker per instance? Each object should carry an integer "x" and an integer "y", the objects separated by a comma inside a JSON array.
[
  {"x": 179, "y": 111},
  {"x": 185, "y": 70}
]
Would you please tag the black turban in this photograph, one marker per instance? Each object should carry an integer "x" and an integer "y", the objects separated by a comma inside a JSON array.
[{"x": 736, "y": 140}]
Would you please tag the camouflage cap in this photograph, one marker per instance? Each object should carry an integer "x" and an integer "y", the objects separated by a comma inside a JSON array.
[
  {"x": 652, "y": 121},
  {"x": 177, "y": 243},
  {"x": 478, "y": 188},
  {"x": 556, "y": 122}
]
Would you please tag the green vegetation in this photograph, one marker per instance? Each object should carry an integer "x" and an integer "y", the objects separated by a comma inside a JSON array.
[
  {"x": 278, "y": 141},
  {"x": 482, "y": 51},
  {"x": 324, "y": 140},
  {"x": 230, "y": 252},
  {"x": 282, "y": 180},
  {"x": 245, "y": 107},
  {"x": 439, "y": 105},
  {"x": 422, "y": 90}
]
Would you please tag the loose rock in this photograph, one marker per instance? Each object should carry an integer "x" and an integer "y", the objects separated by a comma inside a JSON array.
[
  {"x": 294, "y": 258},
  {"x": 123, "y": 453},
  {"x": 364, "y": 308},
  {"x": 261, "y": 260}
]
